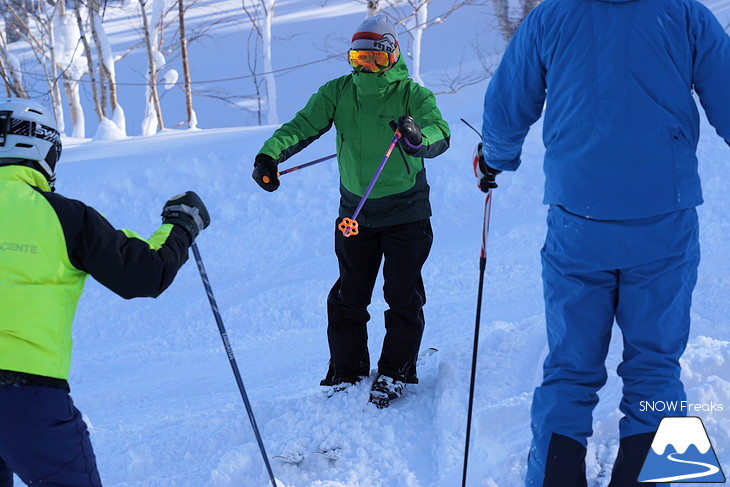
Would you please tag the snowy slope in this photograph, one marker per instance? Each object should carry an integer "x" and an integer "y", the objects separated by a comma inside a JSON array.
[{"x": 154, "y": 381}]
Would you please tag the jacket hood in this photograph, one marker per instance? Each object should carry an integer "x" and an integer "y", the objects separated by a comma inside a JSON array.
[{"x": 377, "y": 82}]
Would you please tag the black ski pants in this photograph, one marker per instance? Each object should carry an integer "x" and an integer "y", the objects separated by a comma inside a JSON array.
[{"x": 404, "y": 249}]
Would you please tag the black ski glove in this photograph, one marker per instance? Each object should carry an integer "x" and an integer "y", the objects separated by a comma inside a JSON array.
[
  {"x": 265, "y": 172},
  {"x": 188, "y": 211},
  {"x": 412, "y": 138},
  {"x": 486, "y": 176}
]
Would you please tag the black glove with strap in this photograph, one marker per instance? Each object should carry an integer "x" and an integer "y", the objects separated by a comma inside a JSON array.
[
  {"x": 188, "y": 211},
  {"x": 411, "y": 133},
  {"x": 486, "y": 176},
  {"x": 265, "y": 172}
]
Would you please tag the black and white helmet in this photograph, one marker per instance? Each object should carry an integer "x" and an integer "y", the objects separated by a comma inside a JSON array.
[{"x": 28, "y": 135}]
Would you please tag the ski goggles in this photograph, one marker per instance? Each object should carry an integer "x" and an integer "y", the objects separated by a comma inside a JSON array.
[{"x": 373, "y": 61}]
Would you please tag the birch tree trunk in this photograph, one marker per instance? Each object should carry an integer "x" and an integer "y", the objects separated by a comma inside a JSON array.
[
  {"x": 56, "y": 101},
  {"x": 92, "y": 7},
  {"x": 65, "y": 40},
  {"x": 106, "y": 64},
  {"x": 420, "y": 20},
  {"x": 16, "y": 20},
  {"x": 507, "y": 23},
  {"x": 252, "y": 53},
  {"x": 98, "y": 108},
  {"x": 10, "y": 72},
  {"x": 269, "y": 79},
  {"x": 39, "y": 28},
  {"x": 78, "y": 121},
  {"x": 153, "y": 110},
  {"x": 191, "y": 118}
]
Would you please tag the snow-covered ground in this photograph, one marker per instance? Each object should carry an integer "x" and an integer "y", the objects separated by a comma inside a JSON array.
[{"x": 154, "y": 381}]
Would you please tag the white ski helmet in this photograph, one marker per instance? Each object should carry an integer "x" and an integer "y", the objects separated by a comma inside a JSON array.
[{"x": 28, "y": 136}]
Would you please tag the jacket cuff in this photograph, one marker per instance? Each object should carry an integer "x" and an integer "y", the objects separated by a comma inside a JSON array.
[
  {"x": 505, "y": 165},
  {"x": 411, "y": 148}
]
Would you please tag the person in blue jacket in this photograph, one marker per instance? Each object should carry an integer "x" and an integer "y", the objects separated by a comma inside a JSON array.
[{"x": 616, "y": 79}]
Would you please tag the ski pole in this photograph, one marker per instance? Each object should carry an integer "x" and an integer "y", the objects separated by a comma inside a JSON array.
[
  {"x": 482, "y": 266},
  {"x": 471, "y": 127},
  {"x": 348, "y": 226},
  {"x": 232, "y": 359},
  {"x": 307, "y": 164},
  {"x": 266, "y": 179}
]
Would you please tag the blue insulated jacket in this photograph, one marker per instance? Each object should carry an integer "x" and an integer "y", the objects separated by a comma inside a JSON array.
[{"x": 616, "y": 78}]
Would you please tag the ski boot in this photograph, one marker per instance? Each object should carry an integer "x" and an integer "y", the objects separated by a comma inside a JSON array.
[{"x": 384, "y": 390}]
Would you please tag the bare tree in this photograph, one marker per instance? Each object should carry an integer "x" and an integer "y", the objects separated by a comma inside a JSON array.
[
  {"x": 420, "y": 23},
  {"x": 15, "y": 20},
  {"x": 92, "y": 10},
  {"x": 55, "y": 89},
  {"x": 53, "y": 38},
  {"x": 154, "y": 110},
  {"x": 10, "y": 71},
  {"x": 261, "y": 15},
  {"x": 68, "y": 59},
  {"x": 273, "y": 115},
  {"x": 414, "y": 17},
  {"x": 510, "y": 18},
  {"x": 252, "y": 58},
  {"x": 106, "y": 63},
  {"x": 191, "y": 118},
  {"x": 98, "y": 108},
  {"x": 166, "y": 19},
  {"x": 455, "y": 79},
  {"x": 373, "y": 7}
]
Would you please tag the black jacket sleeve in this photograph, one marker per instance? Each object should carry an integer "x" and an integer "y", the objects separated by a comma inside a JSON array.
[{"x": 129, "y": 266}]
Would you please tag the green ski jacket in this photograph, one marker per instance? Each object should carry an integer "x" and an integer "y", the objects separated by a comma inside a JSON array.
[{"x": 361, "y": 106}]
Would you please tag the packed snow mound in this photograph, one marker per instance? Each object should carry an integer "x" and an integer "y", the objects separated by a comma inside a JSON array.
[{"x": 108, "y": 130}]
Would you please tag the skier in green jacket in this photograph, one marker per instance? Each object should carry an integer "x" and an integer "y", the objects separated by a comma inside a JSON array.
[{"x": 366, "y": 106}]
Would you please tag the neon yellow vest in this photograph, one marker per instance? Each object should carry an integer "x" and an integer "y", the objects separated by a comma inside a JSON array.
[{"x": 39, "y": 288}]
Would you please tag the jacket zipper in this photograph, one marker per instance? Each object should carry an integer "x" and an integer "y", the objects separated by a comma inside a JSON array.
[
  {"x": 339, "y": 150},
  {"x": 403, "y": 156}
]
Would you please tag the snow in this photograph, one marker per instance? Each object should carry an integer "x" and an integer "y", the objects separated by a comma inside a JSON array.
[
  {"x": 154, "y": 381},
  {"x": 108, "y": 130},
  {"x": 170, "y": 78}
]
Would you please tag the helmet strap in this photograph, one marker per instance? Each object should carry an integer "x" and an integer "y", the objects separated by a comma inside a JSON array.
[{"x": 47, "y": 171}]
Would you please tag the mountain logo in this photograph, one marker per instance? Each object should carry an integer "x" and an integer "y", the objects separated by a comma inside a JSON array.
[{"x": 681, "y": 452}]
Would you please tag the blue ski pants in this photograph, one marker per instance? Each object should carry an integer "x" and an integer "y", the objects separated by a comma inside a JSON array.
[
  {"x": 641, "y": 274},
  {"x": 43, "y": 439}
]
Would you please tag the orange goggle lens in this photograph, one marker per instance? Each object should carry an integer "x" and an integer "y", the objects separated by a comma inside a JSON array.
[{"x": 371, "y": 60}]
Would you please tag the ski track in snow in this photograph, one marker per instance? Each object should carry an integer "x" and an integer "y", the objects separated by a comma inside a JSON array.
[{"x": 393, "y": 446}]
